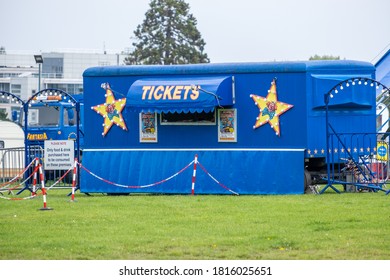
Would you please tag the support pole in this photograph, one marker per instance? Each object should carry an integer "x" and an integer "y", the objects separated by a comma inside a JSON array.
[
  {"x": 74, "y": 180},
  {"x": 26, "y": 147},
  {"x": 43, "y": 189},
  {"x": 34, "y": 189},
  {"x": 194, "y": 175},
  {"x": 78, "y": 140},
  {"x": 329, "y": 183}
]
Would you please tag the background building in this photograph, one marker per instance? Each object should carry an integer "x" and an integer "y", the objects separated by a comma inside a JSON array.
[{"x": 20, "y": 74}]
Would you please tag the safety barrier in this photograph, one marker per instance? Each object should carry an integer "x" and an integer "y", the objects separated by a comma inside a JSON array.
[
  {"x": 195, "y": 162},
  {"x": 37, "y": 167},
  {"x": 11, "y": 163},
  {"x": 74, "y": 179},
  {"x": 44, "y": 194},
  {"x": 11, "y": 185},
  {"x": 14, "y": 184},
  {"x": 194, "y": 175},
  {"x": 21, "y": 179}
]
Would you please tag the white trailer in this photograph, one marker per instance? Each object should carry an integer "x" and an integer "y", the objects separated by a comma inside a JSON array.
[
  {"x": 11, "y": 135},
  {"x": 11, "y": 150}
]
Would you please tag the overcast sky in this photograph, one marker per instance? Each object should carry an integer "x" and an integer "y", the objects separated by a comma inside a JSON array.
[{"x": 234, "y": 31}]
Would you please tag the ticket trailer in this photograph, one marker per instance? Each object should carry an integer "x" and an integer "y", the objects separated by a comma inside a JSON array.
[{"x": 253, "y": 127}]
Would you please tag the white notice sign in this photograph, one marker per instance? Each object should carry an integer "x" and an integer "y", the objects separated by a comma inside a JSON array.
[{"x": 59, "y": 155}]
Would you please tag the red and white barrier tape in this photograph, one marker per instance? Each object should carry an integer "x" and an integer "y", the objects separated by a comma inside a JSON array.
[
  {"x": 20, "y": 184},
  {"x": 74, "y": 167},
  {"x": 18, "y": 198},
  {"x": 135, "y": 187},
  {"x": 195, "y": 162},
  {"x": 215, "y": 180},
  {"x": 60, "y": 179},
  {"x": 10, "y": 182}
]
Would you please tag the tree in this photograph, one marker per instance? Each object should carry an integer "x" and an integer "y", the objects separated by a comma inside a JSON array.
[
  {"x": 324, "y": 57},
  {"x": 168, "y": 35},
  {"x": 3, "y": 115}
]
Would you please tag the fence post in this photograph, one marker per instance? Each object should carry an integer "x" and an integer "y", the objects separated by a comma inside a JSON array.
[
  {"x": 35, "y": 177},
  {"x": 74, "y": 180},
  {"x": 194, "y": 175},
  {"x": 43, "y": 189}
]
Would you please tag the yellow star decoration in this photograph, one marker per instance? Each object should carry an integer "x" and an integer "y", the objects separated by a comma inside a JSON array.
[
  {"x": 111, "y": 110},
  {"x": 270, "y": 108}
]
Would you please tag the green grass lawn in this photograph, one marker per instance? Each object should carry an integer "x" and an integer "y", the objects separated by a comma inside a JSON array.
[{"x": 201, "y": 227}]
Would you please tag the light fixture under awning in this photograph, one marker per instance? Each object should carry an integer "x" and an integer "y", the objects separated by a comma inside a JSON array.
[{"x": 188, "y": 94}]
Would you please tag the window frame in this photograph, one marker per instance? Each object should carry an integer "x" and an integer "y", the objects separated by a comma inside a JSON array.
[{"x": 189, "y": 122}]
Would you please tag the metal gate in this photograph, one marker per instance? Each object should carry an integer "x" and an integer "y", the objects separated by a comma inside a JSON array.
[{"x": 11, "y": 163}]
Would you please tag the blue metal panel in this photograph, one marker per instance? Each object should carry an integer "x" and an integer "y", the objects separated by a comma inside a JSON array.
[
  {"x": 290, "y": 91},
  {"x": 351, "y": 110},
  {"x": 241, "y": 171},
  {"x": 181, "y": 94},
  {"x": 383, "y": 69},
  {"x": 352, "y": 97},
  {"x": 194, "y": 69},
  {"x": 274, "y": 169},
  {"x": 228, "y": 68}
]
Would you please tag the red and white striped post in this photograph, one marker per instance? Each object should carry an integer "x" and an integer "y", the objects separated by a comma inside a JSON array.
[
  {"x": 74, "y": 180},
  {"x": 34, "y": 193},
  {"x": 41, "y": 177},
  {"x": 194, "y": 175}
]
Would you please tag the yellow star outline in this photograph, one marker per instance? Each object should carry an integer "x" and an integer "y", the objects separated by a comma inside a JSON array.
[
  {"x": 111, "y": 110},
  {"x": 270, "y": 108}
]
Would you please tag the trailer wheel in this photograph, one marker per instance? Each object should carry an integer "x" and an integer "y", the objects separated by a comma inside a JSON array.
[{"x": 307, "y": 181}]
